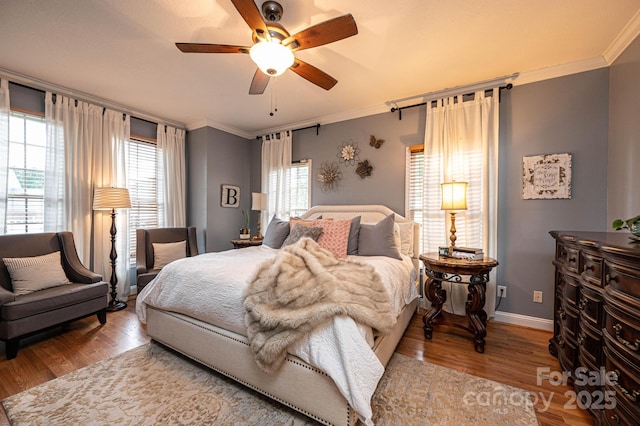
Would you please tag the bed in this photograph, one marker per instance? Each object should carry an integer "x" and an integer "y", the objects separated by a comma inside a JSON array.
[{"x": 307, "y": 380}]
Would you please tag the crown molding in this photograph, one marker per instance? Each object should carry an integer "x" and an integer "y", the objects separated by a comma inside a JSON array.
[
  {"x": 328, "y": 119},
  {"x": 210, "y": 123},
  {"x": 623, "y": 40},
  {"x": 45, "y": 86},
  {"x": 560, "y": 70}
]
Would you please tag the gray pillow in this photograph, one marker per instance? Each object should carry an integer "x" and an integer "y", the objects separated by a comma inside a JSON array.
[
  {"x": 379, "y": 239},
  {"x": 277, "y": 232},
  {"x": 354, "y": 231},
  {"x": 300, "y": 231}
]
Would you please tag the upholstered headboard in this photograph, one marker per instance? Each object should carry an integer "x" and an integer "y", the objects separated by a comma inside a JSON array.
[{"x": 370, "y": 213}]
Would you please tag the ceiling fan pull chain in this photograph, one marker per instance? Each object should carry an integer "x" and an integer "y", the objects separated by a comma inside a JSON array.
[{"x": 274, "y": 97}]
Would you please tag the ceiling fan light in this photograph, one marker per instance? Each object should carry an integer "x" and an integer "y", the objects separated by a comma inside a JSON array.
[{"x": 271, "y": 57}]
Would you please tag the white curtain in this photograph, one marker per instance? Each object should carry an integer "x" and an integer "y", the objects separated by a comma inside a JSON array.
[
  {"x": 111, "y": 172},
  {"x": 4, "y": 151},
  {"x": 171, "y": 177},
  {"x": 276, "y": 160},
  {"x": 74, "y": 136},
  {"x": 461, "y": 144}
]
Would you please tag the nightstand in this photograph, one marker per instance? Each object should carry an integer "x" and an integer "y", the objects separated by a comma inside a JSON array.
[
  {"x": 472, "y": 273},
  {"x": 245, "y": 243}
]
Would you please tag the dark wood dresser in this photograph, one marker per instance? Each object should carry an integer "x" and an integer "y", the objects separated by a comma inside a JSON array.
[{"x": 597, "y": 321}]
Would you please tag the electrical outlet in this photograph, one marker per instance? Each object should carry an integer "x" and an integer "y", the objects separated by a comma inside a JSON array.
[
  {"x": 502, "y": 291},
  {"x": 537, "y": 296}
]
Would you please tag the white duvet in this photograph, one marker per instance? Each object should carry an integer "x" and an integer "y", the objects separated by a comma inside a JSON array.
[{"x": 209, "y": 287}]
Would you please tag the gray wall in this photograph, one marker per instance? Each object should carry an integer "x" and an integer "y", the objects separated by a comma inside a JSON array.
[
  {"x": 624, "y": 135},
  {"x": 216, "y": 158},
  {"x": 567, "y": 114}
]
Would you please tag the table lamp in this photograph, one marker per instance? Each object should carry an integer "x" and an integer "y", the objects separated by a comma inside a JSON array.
[
  {"x": 112, "y": 199},
  {"x": 259, "y": 203},
  {"x": 454, "y": 197}
]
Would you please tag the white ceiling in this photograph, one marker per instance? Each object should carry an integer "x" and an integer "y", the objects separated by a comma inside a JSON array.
[{"x": 123, "y": 51}]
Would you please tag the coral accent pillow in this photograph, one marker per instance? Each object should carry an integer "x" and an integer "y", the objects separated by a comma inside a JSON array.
[{"x": 334, "y": 236}]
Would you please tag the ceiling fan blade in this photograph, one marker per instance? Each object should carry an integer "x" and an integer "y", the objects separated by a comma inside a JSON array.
[
  {"x": 210, "y": 48},
  {"x": 313, "y": 74},
  {"x": 323, "y": 33},
  {"x": 259, "y": 83},
  {"x": 252, "y": 16}
]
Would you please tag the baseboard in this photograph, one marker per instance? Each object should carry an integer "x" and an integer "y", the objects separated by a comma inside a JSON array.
[{"x": 524, "y": 320}]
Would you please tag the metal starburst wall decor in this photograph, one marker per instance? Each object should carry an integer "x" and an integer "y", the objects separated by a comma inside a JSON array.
[
  {"x": 329, "y": 176},
  {"x": 348, "y": 153}
]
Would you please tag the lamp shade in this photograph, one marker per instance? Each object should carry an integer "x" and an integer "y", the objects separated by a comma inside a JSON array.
[
  {"x": 454, "y": 195},
  {"x": 111, "y": 198},
  {"x": 258, "y": 201},
  {"x": 271, "y": 57}
]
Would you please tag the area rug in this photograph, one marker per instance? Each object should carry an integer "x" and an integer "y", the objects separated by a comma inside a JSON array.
[{"x": 151, "y": 385}]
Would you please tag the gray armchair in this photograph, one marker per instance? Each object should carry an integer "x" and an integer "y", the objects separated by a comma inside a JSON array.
[
  {"x": 144, "y": 249},
  {"x": 27, "y": 314}
]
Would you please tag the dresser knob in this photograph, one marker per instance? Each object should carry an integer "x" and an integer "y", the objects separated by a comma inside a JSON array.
[
  {"x": 582, "y": 303},
  {"x": 615, "y": 418},
  {"x": 586, "y": 267}
]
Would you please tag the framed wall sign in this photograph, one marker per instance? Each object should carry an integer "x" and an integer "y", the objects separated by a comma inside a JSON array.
[
  {"x": 546, "y": 176},
  {"x": 230, "y": 196}
]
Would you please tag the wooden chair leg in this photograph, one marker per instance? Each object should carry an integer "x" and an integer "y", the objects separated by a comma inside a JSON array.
[{"x": 11, "y": 348}]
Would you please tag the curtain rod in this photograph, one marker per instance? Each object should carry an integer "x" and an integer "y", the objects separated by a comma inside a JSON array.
[
  {"x": 455, "y": 91},
  {"x": 316, "y": 126},
  {"x": 399, "y": 109},
  {"x": 42, "y": 85}
]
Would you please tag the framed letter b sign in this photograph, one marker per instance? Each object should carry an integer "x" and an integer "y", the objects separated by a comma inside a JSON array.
[{"x": 230, "y": 196}]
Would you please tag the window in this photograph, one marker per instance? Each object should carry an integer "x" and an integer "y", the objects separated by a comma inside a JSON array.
[
  {"x": 298, "y": 191},
  {"x": 300, "y": 184},
  {"x": 415, "y": 185},
  {"x": 25, "y": 183},
  {"x": 143, "y": 188}
]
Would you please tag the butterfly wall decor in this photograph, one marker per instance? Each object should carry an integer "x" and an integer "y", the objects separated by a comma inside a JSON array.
[{"x": 376, "y": 143}]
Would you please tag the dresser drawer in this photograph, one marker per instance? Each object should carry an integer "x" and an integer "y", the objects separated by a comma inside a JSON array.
[
  {"x": 590, "y": 345},
  {"x": 622, "y": 279},
  {"x": 623, "y": 329},
  {"x": 570, "y": 290},
  {"x": 618, "y": 415},
  {"x": 567, "y": 317},
  {"x": 592, "y": 269},
  {"x": 570, "y": 258},
  {"x": 626, "y": 383},
  {"x": 590, "y": 306}
]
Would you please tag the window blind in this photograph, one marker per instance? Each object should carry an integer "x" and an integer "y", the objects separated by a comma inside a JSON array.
[
  {"x": 25, "y": 180},
  {"x": 143, "y": 188}
]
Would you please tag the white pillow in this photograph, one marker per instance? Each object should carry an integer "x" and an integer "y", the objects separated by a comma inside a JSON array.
[
  {"x": 406, "y": 238},
  {"x": 165, "y": 253},
  {"x": 29, "y": 274}
]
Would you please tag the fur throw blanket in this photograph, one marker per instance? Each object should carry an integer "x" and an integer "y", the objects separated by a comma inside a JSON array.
[{"x": 304, "y": 286}]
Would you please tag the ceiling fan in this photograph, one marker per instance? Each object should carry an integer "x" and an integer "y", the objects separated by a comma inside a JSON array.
[{"x": 274, "y": 48}]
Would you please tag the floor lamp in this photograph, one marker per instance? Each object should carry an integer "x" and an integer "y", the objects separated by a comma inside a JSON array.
[
  {"x": 259, "y": 203},
  {"x": 454, "y": 197},
  {"x": 112, "y": 199}
]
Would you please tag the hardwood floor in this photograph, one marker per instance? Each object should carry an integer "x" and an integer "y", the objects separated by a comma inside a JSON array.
[{"x": 512, "y": 356}]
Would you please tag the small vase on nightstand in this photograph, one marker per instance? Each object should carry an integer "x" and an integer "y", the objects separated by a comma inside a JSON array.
[{"x": 245, "y": 233}]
